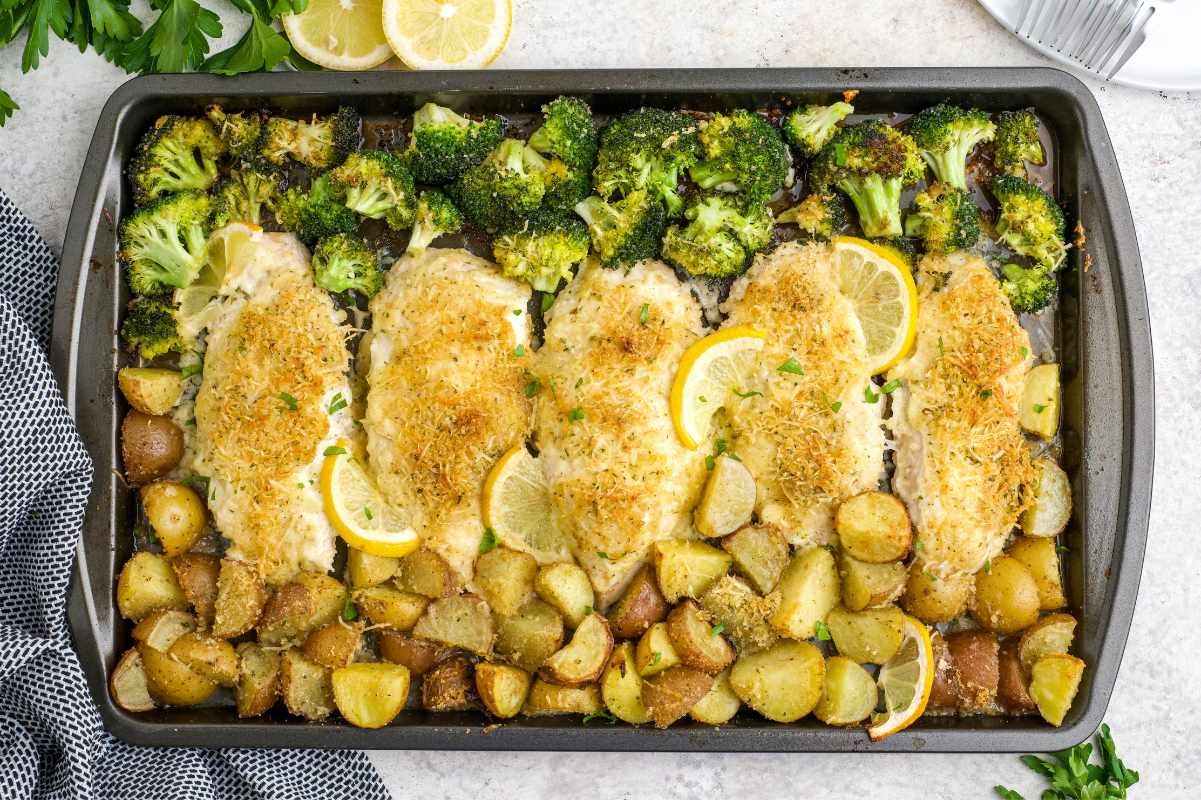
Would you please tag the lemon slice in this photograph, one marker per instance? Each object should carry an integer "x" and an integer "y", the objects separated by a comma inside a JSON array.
[
  {"x": 516, "y": 505},
  {"x": 228, "y": 245},
  {"x": 357, "y": 511},
  {"x": 708, "y": 372},
  {"x": 339, "y": 34},
  {"x": 880, "y": 287},
  {"x": 447, "y": 34},
  {"x": 729, "y": 498},
  {"x": 905, "y": 680}
]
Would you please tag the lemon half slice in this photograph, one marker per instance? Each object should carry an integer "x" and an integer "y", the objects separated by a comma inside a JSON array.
[
  {"x": 516, "y": 505},
  {"x": 906, "y": 681},
  {"x": 708, "y": 372},
  {"x": 882, "y": 291},
  {"x": 447, "y": 34},
  {"x": 356, "y": 509},
  {"x": 339, "y": 34}
]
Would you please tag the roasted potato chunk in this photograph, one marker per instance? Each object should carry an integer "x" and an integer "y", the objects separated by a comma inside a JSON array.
[
  {"x": 172, "y": 683},
  {"x": 1006, "y": 597},
  {"x": 150, "y": 390},
  {"x": 1054, "y": 681},
  {"x": 783, "y": 683},
  {"x": 567, "y": 588},
  {"x": 1040, "y": 557},
  {"x": 549, "y": 699},
  {"x": 1012, "y": 694},
  {"x": 305, "y": 686},
  {"x": 655, "y": 652},
  {"x": 944, "y": 692},
  {"x": 1051, "y": 634},
  {"x": 215, "y": 659},
  {"x": 1048, "y": 515},
  {"x": 383, "y": 605},
  {"x": 583, "y": 659},
  {"x": 849, "y": 693},
  {"x": 334, "y": 644},
  {"x": 621, "y": 687},
  {"x": 697, "y": 640},
  {"x": 506, "y": 579},
  {"x": 258, "y": 679},
  {"x": 462, "y": 621},
  {"x": 240, "y": 599},
  {"x": 743, "y": 613},
  {"x": 426, "y": 573},
  {"x": 305, "y": 603},
  {"x": 874, "y": 527},
  {"x": 975, "y": 668},
  {"x": 640, "y": 606},
  {"x": 760, "y": 553},
  {"x": 871, "y": 636},
  {"x": 671, "y": 694},
  {"x": 728, "y": 500},
  {"x": 370, "y": 695},
  {"x": 449, "y": 686},
  {"x": 128, "y": 684},
  {"x": 528, "y": 638},
  {"x": 866, "y": 585},
  {"x": 718, "y": 706},
  {"x": 416, "y": 654},
  {"x": 807, "y": 590},
  {"x": 147, "y": 583},
  {"x": 1039, "y": 412},
  {"x": 686, "y": 568},
  {"x": 196, "y": 574},
  {"x": 175, "y": 513},
  {"x": 935, "y": 600},
  {"x": 161, "y": 628},
  {"x": 502, "y": 688},
  {"x": 364, "y": 569},
  {"x": 151, "y": 446}
]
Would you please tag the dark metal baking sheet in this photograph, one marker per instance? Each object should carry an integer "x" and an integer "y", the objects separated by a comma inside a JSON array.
[{"x": 1104, "y": 333}]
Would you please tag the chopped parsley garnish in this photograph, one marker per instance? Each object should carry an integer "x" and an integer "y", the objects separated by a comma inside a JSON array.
[
  {"x": 891, "y": 386},
  {"x": 349, "y": 612},
  {"x": 710, "y": 463},
  {"x": 1039, "y": 408},
  {"x": 602, "y": 554},
  {"x": 721, "y": 446},
  {"x": 336, "y": 404},
  {"x": 191, "y": 369},
  {"x": 644, "y": 314},
  {"x": 987, "y": 393},
  {"x": 519, "y": 351},
  {"x": 869, "y": 395},
  {"x": 576, "y": 414},
  {"x": 821, "y": 631},
  {"x": 918, "y": 545},
  {"x": 745, "y": 395},
  {"x": 1061, "y": 548},
  {"x": 517, "y": 312},
  {"x": 840, "y": 154},
  {"x": 656, "y": 657},
  {"x": 587, "y": 611},
  {"x": 488, "y": 541},
  {"x": 603, "y": 716},
  {"x": 716, "y": 629},
  {"x": 367, "y": 513},
  {"x": 547, "y": 301},
  {"x": 532, "y": 387},
  {"x": 334, "y": 450},
  {"x": 1025, "y": 352},
  {"x": 701, "y": 397},
  {"x": 300, "y": 485},
  {"x": 988, "y": 566},
  {"x": 836, "y": 406},
  {"x": 579, "y": 381},
  {"x": 791, "y": 366},
  {"x": 288, "y": 400},
  {"x": 941, "y": 350}
]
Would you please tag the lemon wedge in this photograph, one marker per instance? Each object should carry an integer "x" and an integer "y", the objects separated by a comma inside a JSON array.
[
  {"x": 356, "y": 509},
  {"x": 339, "y": 34},
  {"x": 728, "y": 500},
  {"x": 882, "y": 291},
  {"x": 516, "y": 505},
  {"x": 906, "y": 681},
  {"x": 447, "y": 34},
  {"x": 708, "y": 372}
]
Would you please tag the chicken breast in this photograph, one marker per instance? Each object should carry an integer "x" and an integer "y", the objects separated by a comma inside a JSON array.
[
  {"x": 620, "y": 479},
  {"x": 809, "y": 437},
  {"x": 449, "y": 356},
  {"x": 962, "y": 464},
  {"x": 276, "y": 358}
]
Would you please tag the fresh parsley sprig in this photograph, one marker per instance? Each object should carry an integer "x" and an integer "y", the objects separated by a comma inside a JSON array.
[{"x": 1072, "y": 777}]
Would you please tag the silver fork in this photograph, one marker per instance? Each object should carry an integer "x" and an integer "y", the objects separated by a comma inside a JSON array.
[{"x": 1100, "y": 35}]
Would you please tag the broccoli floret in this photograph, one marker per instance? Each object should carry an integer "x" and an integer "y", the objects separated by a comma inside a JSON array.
[
  {"x": 945, "y": 136},
  {"x": 906, "y": 248},
  {"x": 624, "y": 231},
  {"x": 720, "y": 237},
  {"x": 177, "y": 154},
  {"x": 240, "y": 131},
  {"x": 647, "y": 149},
  {"x": 162, "y": 244},
  {"x": 809, "y": 128},
  {"x": 315, "y": 214},
  {"x": 541, "y": 248},
  {"x": 1029, "y": 289},
  {"x": 743, "y": 153},
  {"x": 568, "y": 133},
  {"x": 869, "y": 162},
  {"x": 149, "y": 327},
  {"x": 377, "y": 185},
  {"x": 344, "y": 263},
  {"x": 508, "y": 183},
  {"x": 436, "y": 216},
  {"x": 565, "y": 185},
  {"x": 1017, "y": 142},
  {"x": 946, "y": 219},
  {"x": 444, "y": 144},
  {"x": 820, "y": 215},
  {"x": 250, "y": 189},
  {"x": 320, "y": 143},
  {"x": 1029, "y": 221}
]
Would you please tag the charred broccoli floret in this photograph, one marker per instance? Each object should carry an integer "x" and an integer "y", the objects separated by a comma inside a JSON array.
[
  {"x": 162, "y": 245},
  {"x": 240, "y": 131},
  {"x": 624, "y": 231},
  {"x": 946, "y": 219},
  {"x": 377, "y": 185},
  {"x": 149, "y": 327},
  {"x": 720, "y": 237},
  {"x": 565, "y": 185},
  {"x": 743, "y": 153},
  {"x": 1029, "y": 289},
  {"x": 1017, "y": 142},
  {"x": 250, "y": 189},
  {"x": 870, "y": 163},
  {"x": 436, "y": 216},
  {"x": 444, "y": 144},
  {"x": 315, "y": 214},
  {"x": 820, "y": 215},
  {"x": 508, "y": 183},
  {"x": 647, "y": 149},
  {"x": 320, "y": 143},
  {"x": 1029, "y": 221},
  {"x": 344, "y": 263},
  {"x": 906, "y": 248},
  {"x": 177, "y": 154},
  {"x": 945, "y": 136},
  {"x": 809, "y": 128},
  {"x": 568, "y": 133},
  {"x": 541, "y": 248}
]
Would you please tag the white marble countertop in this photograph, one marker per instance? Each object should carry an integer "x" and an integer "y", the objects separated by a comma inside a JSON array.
[{"x": 1158, "y": 140}]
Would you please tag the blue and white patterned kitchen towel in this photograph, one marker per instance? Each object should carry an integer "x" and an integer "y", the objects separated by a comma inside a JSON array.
[{"x": 52, "y": 743}]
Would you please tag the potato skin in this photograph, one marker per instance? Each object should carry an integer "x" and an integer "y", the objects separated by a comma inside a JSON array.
[
  {"x": 640, "y": 606},
  {"x": 147, "y": 583},
  {"x": 549, "y": 700},
  {"x": 583, "y": 659},
  {"x": 258, "y": 679},
  {"x": 303, "y": 604},
  {"x": 527, "y": 639},
  {"x": 426, "y": 573},
  {"x": 505, "y": 578},
  {"x": 151, "y": 446},
  {"x": 1051, "y": 510},
  {"x": 502, "y": 688},
  {"x": 160, "y": 629},
  {"x": 418, "y": 655},
  {"x": 671, "y": 694},
  {"x": 172, "y": 683},
  {"x": 932, "y": 599},
  {"x": 871, "y": 636},
  {"x": 175, "y": 512},
  {"x": 1012, "y": 694},
  {"x": 621, "y": 687},
  {"x": 197, "y": 574},
  {"x": 719, "y": 705},
  {"x": 151, "y": 390},
  {"x": 383, "y": 605},
  {"x": 655, "y": 652},
  {"x": 1006, "y": 598},
  {"x": 783, "y": 683},
  {"x": 874, "y": 527},
  {"x": 240, "y": 599},
  {"x": 760, "y": 553},
  {"x": 449, "y": 686},
  {"x": 944, "y": 692},
  {"x": 1040, "y": 557},
  {"x": 974, "y": 660},
  {"x": 127, "y": 684},
  {"x": 692, "y": 634},
  {"x": 1051, "y": 634},
  {"x": 215, "y": 659},
  {"x": 333, "y": 645}
]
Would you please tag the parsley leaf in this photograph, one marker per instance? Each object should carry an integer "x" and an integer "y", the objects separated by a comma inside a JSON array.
[
  {"x": 519, "y": 351},
  {"x": 836, "y": 406},
  {"x": 7, "y": 107},
  {"x": 288, "y": 400},
  {"x": 532, "y": 387},
  {"x": 869, "y": 395},
  {"x": 656, "y": 657},
  {"x": 1071, "y": 774},
  {"x": 334, "y": 450},
  {"x": 891, "y": 386},
  {"x": 822, "y": 632},
  {"x": 488, "y": 541},
  {"x": 644, "y": 314},
  {"x": 1039, "y": 408},
  {"x": 547, "y": 301},
  {"x": 44, "y": 16},
  {"x": 745, "y": 395},
  {"x": 349, "y": 612},
  {"x": 791, "y": 366},
  {"x": 261, "y": 48},
  {"x": 191, "y": 369},
  {"x": 602, "y": 554},
  {"x": 336, "y": 403},
  {"x": 576, "y": 414},
  {"x": 716, "y": 629},
  {"x": 603, "y": 716},
  {"x": 175, "y": 42}
]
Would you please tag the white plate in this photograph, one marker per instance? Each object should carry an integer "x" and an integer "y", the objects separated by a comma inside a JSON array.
[{"x": 1169, "y": 59}]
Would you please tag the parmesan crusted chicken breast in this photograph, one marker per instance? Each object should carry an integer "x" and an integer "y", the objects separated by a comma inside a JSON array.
[
  {"x": 449, "y": 356},
  {"x": 276, "y": 358},
  {"x": 962, "y": 465},
  {"x": 808, "y": 435},
  {"x": 620, "y": 479}
]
